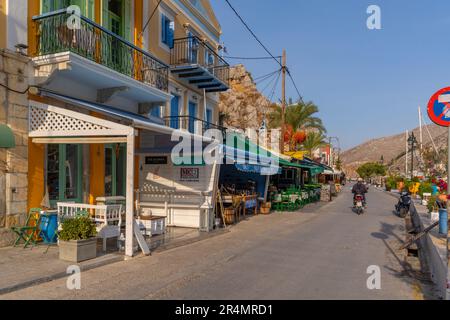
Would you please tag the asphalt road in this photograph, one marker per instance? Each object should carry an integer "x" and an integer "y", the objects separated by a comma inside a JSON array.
[{"x": 321, "y": 253}]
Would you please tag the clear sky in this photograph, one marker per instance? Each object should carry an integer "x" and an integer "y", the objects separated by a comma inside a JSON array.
[{"x": 367, "y": 83}]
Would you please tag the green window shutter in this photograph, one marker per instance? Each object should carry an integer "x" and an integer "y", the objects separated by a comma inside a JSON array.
[
  {"x": 91, "y": 9},
  {"x": 127, "y": 21},
  {"x": 46, "y": 6},
  {"x": 81, "y": 4},
  {"x": 105, "y": 15}
]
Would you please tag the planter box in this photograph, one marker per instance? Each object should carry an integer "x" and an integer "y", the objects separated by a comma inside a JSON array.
[{"x": 78, "y": 250}]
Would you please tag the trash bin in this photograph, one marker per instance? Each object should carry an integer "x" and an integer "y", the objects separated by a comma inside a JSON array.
[
  {"x": 443, "y": 221},
  {"x": 49, "y": 227}
]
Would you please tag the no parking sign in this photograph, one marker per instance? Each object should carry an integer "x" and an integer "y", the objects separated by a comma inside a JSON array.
[{"x": 439, "y": 107}]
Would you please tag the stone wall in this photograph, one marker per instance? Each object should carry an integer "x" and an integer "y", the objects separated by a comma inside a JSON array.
[{"x": 14, "y": 74}]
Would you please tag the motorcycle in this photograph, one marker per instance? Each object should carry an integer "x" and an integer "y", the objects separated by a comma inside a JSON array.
[
  {"x": 404, "y": 204},
  {"x": 359, "y": 204}
]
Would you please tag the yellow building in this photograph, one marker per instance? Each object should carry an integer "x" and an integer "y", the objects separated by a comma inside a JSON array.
[{"x": 114, "y": 84}]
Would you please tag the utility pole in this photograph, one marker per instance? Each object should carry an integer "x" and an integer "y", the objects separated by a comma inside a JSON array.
[
  {"x": 406, "y": 154},
  {"x": 283, "y": 101}
]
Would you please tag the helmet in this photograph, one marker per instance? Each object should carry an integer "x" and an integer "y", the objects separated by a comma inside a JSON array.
[{"x": 360, "y": 180}]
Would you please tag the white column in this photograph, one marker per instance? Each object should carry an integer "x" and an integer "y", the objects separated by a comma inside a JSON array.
[{"x": 129, "y": 224}]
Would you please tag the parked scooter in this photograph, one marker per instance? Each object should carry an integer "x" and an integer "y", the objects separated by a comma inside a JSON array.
[
  {"x": 404, "y": 204},
  {"x": 359, "y": 204}
]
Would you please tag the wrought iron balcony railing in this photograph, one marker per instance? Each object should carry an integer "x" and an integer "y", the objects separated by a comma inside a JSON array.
[
  {"x": 192, "y": 51},
  {"x": 93, "y": 42},
  {"x": 192, "y": 124}
]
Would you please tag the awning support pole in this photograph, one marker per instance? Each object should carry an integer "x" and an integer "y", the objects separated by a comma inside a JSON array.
[{"x": 129, "y": 224}]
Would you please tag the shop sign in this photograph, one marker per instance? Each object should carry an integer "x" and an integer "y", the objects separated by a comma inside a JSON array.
[
  {"x": 189, "y": 174},
  {"x": 155, "y": 160}
]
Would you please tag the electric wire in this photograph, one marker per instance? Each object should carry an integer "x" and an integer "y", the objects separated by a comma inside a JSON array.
[{"x": 149, "y": 19}]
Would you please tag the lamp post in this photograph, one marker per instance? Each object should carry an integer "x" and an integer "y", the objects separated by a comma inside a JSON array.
[
  {"x": 412, "y": 142},
  {"x": 339, "y": 146}
]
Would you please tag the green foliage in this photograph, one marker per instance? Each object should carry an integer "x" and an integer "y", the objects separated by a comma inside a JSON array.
[
  {"x": 391, "y": 183},
  {"x": 300, "y": 116},
  {"x": 77, "y": 229},
  {"x": 371, "y": 169},
  {"x": 313, "y": 141},
  {"x": 425, "y": 187},
  {"x": 432, "y": 203}
]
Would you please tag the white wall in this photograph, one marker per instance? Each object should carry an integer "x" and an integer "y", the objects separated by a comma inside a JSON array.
[{"x": 17, "y": 11}]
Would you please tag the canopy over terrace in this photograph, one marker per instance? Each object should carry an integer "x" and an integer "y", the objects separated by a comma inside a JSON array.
[{"x": 55, "y": 125}]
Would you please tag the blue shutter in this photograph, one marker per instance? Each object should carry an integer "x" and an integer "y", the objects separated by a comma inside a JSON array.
[
  {"x": 163, "y": 28},
  {"x": 174, "y": 112},
  {"x": 156, "y": 112}
]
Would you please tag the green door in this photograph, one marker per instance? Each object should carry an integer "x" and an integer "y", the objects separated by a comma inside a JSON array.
[
  {"x": 64, "y": 173},
  {"x": 115, "y": 170},
  {"x": 86, "y": 6},
  {"x": 117, "y": 19}
]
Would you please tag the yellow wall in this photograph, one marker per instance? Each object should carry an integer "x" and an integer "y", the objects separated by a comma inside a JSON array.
[
  {"x": 36, "y": 156},
  {"x": 2, "y": 23}
]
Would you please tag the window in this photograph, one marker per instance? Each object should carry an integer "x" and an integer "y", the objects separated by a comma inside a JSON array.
[
  {"x": 167, "y": 30},
  {"x": 192, "y": 116},
  {"x": 63, "y": 172},
  {"x": 156, "y": 112}
]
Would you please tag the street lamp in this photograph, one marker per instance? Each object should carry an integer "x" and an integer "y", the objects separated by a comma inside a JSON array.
[
  {"x": 412, "y": 142},
  {"x": 339, "y": 146}
]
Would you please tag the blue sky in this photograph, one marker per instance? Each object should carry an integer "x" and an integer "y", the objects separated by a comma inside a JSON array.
[{"x": 367, "y": 83}]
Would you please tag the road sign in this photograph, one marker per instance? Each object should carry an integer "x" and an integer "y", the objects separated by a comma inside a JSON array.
[{"x": 439, "y": 107}]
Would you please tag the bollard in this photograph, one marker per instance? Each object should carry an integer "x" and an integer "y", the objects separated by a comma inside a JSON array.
[{"x": 443, "y": 222}]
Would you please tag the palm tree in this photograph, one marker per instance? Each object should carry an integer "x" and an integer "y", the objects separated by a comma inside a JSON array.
[
  {"x": 314, "y": 140},
  {"x": 300, "y": 116}
]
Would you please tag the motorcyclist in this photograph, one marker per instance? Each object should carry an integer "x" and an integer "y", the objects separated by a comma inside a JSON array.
[{"x": 360, "y": 188}]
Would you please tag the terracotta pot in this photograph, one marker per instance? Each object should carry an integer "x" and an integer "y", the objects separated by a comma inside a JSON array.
[{"x": 442, "y": 197}]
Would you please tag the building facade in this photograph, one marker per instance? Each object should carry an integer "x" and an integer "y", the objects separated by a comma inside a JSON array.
[{"x": 110, "y": 88}]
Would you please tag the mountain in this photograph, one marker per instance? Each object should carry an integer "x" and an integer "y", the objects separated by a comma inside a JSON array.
[
  {"x": 243, "y": 106},
  {"x": 390, "y": 149}
]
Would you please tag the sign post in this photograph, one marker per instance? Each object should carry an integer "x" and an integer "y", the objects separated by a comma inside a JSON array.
[{"x": 439, "y": 113}]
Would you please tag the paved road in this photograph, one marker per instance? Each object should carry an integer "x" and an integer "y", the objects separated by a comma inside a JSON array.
[{"x": 317, "y": 254}]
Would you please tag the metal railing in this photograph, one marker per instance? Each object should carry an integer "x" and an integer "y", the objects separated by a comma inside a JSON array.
[
  {"x": 192, "y": 124},
  {"x": 93, "y": 42},
  {"x": 194, "y": 51}
]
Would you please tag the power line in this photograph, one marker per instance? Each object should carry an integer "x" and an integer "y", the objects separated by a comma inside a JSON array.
[
  {"x": 253, "y": 34},
  {"x": 271, "y": 81},
  {"x": 149, "y": 19},
  {"x": 295, "y": 86},
  {"x": 15, "y": 91},
  {"x": 251, "y": 58},
  {"x": 265, "y": 48},
  {"x": 264, "y": 78}
]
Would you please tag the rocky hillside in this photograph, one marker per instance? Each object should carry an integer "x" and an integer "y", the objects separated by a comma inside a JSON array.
[
  {"x": 243, "y": 106},
  {"x": 391, "y": 149}
]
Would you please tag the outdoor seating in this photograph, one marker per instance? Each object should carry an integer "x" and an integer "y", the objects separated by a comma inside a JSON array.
[
  {"x": 108, "y": 218},
  {"x": 29, "y": 232}
]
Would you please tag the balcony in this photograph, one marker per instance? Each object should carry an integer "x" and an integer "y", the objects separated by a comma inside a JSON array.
[
  {"x": 195, "y": 61},
  {"x": 192, "y": 124},
  {"x": 98, "y": 59}
]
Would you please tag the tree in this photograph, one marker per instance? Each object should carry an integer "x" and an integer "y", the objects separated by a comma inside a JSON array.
[
  {"x": 313, "y": 141},
  {"x": 339, "y": 164},
  {"x": 299, "y": 116},
  {"x": 371, "y": 169}
]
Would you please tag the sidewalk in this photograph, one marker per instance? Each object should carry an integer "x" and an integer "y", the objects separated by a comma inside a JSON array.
[
  {"x": 435, "y": 247},
  {"x": 22, "y": 268}
]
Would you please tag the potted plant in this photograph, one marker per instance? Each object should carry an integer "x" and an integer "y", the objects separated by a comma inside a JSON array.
[{"x": 77, "y": 240}]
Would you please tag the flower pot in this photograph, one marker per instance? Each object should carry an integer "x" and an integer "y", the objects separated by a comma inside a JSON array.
[
  {"x": 442, "y": 197},
  {"x": 265, "y": 210},
  {"x": 78, "y": 250}
]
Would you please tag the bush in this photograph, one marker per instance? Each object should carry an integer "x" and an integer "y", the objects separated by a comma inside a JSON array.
[
  {"x": 81, "y": 228},
  {"x": 432, "y": 203},
  {"x": 425, "y": 187},
  {"x": 391, "y": 183}
]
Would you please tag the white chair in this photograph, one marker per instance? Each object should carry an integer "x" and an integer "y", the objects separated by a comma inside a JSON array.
[{"x": 109, "y": 222}]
